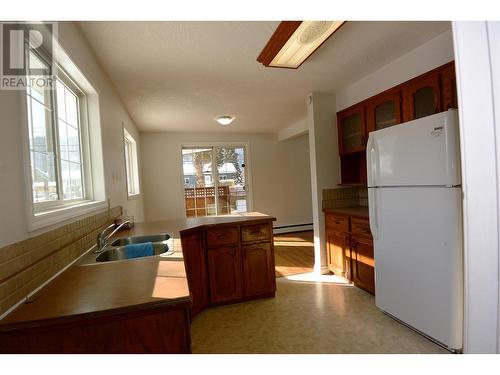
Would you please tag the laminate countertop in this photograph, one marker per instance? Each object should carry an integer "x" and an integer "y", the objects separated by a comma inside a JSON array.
[
  {"x": 95, "y": 289},
  {"x": 355, "y": 211}
]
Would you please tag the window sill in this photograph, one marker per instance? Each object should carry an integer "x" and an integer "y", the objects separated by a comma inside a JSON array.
[
  {"x": 58, "y": 215},
  {"x": 134, "y": 196}
]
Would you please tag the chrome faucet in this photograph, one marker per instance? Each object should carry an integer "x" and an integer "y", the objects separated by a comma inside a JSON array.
[{"x": 102, "y": 238}]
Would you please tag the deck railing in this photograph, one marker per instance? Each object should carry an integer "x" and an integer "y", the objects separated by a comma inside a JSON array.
[{"x": 201, "y": 201}]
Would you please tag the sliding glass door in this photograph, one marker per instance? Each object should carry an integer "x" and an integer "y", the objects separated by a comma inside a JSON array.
[{"x": 220, "y": 190}]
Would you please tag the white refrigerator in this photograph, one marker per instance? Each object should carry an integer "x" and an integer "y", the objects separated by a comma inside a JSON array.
[{"x": 415, "y": 205}]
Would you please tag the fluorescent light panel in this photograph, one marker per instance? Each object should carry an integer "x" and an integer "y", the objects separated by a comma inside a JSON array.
[{"x": 303, "y": 42}]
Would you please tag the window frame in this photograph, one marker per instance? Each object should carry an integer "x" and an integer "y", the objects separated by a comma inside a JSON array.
[
  {"x": 49, "y": 213},
  {"x": 248, "y": 166},
  {"x": 131, "y": 157},
  {"x": 61, "y": 75}
]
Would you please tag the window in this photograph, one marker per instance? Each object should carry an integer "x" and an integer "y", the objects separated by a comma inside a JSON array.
[
  {"x": 215, "y": 191},
  {"x": 131, "y": 164},
  {"x": 55, "y": 141},
  {"x": 64, "y": 179}
]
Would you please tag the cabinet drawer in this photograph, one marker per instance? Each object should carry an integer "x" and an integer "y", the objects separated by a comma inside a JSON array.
[
  {"x": 337, "y": 223},
  {"x": 360, "y": 227},
  {"x": 222, "y": 236},
  {"x": 255, "y": 233}
]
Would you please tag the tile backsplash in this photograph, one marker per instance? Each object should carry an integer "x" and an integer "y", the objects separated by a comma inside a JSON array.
[
  {"x": 26, "y": 265},
  {"x": 345, "y": 197}
]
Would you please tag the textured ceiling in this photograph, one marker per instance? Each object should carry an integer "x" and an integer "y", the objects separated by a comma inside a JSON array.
[{"x": 178, "y": 76}]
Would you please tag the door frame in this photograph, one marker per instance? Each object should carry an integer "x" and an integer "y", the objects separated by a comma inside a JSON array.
[
  {"x": 477, "y": 61},
  {"x": 248, "y": 166}
]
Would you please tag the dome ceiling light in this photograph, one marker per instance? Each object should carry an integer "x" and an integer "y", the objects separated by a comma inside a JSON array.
[{"x": 224, "y": 120}]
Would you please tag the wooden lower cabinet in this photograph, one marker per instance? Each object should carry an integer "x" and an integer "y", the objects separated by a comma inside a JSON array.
[
  {"x": 225, "y": 274},
  {"x": 363, "y": 264},
  {"x": 258, "y": 269},
  {"x": 350, "y": 253},
  {"x": 338, "y": 253},
  {"x": 141, "y": 331},
  {"x": 196, "y": 269}
]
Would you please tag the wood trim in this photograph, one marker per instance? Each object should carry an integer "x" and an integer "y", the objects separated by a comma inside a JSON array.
[
  {"x": 280, "y": 36},
  {"x": 449, "y": 97}
]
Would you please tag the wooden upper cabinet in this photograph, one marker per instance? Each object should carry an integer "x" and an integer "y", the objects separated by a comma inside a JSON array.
[
  {"x": 383, "y": 110},
  {"x": 351, "y": 129},
  {"x": 449, "y": 87},
  {"x": 421, "y": 96}
]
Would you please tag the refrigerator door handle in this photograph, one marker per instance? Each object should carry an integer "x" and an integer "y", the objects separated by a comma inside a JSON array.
[
  {"x": 372, "y": 161},
  {"x": 372, "y": 207}
]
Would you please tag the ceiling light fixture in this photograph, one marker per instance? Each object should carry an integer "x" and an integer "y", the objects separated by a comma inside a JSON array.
[
  {"x": 294, "y": 41},
  {"x": 224, "y": 120}
]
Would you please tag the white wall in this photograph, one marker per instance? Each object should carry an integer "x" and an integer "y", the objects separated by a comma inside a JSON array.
[
  {"x": 325, "y": 165},
  {"x": 13, "y": 223},
  {"x": 280, "y": 174},
  {"x": 478, "y": 87},
  {"x": 436, "y": 52}
]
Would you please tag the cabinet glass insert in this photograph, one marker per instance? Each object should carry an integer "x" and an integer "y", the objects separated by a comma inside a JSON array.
[
  {"x": 423, "y": 102},
  {"x": 352, "y": 132},
  {"x": 385, "y": 115}
]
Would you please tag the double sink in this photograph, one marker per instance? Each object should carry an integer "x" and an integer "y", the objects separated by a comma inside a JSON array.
[{"x": 117, "y": 250}]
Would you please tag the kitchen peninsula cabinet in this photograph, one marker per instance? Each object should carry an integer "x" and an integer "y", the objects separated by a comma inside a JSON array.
[
  {"x": 239, "y": 263},
  {"x": 350, "y": 246}
]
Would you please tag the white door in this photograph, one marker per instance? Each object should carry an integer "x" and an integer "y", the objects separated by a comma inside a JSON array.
[
  {"x": 418, "y": 258},
  {"x": 423, "y": 152}
]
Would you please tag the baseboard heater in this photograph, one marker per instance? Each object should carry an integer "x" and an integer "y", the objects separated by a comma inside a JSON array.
[{"x": 293, "y": 228}]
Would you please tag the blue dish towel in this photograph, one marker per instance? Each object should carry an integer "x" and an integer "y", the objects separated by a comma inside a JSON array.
[{"x": 137, "y": 250}]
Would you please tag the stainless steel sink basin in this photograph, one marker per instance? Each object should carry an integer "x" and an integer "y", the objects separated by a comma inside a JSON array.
[
  {"x": 140, "y": 239},
  {"x": 112, "y": 253}
]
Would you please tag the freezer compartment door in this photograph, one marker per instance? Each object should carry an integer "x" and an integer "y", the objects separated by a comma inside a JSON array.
[
  {"x": 418, "y": 259},
  {"x": 423, "y": 152}
]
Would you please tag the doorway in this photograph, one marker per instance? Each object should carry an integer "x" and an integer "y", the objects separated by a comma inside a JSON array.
[{"x": 214, "y": 191}]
